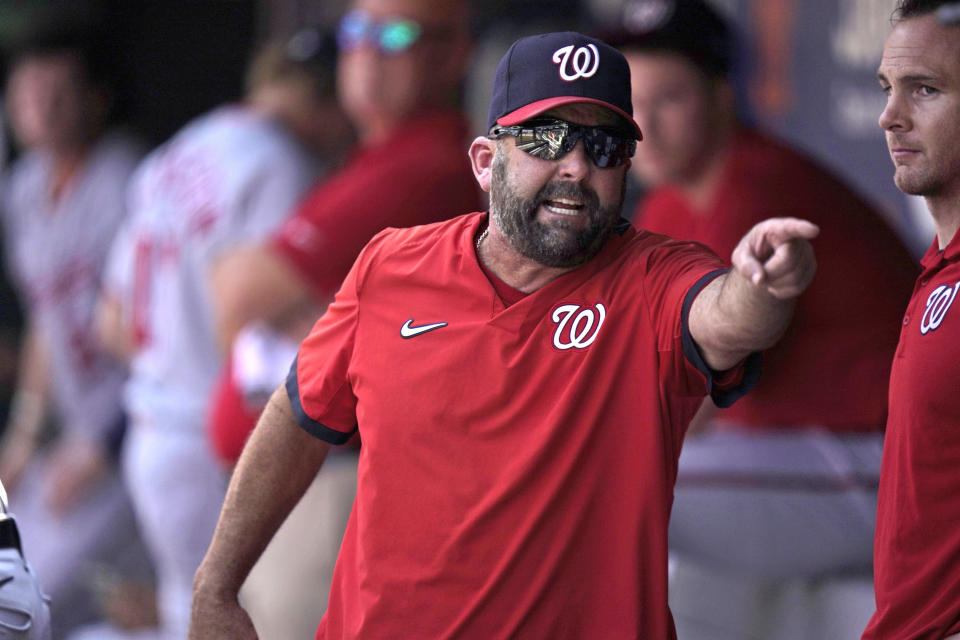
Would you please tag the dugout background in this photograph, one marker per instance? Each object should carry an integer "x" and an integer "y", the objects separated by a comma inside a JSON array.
[{"x": 807, "y": 72}]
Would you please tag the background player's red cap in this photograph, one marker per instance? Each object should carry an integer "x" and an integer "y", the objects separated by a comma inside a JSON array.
[{"x": 544, "y": 71}]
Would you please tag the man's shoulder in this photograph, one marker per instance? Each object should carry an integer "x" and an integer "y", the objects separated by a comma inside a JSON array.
[
  {"x": 443, "y": 235},
  {"x": 429, "y": 248},
  {"x": 642, "y": 252},
  {"x": 630, "y": 241},
  {"x": 235, "y": 134},
  {"x": 229, "y": 146}
]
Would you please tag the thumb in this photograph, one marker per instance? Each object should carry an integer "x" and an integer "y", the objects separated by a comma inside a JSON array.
[{"x": 750, "y": 268}]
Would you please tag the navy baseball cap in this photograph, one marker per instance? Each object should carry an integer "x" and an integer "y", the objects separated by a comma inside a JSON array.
[{"x": 544, "y": 71}]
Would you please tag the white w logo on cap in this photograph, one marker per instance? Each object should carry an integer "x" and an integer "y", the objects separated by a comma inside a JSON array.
[{"x": 581, "y": 60}]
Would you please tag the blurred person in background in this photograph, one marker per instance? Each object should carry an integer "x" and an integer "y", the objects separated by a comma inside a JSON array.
[
  {"x": 62, "y": 203},
  {"x": 24, "y": 607},
  {"x": 11, "y": 314},
  {"x": 226, "y": 179},
  {"x": 917, "y": 547},
  {"x": 782, "y": 485},
  {"x": 400, "y": 69}
]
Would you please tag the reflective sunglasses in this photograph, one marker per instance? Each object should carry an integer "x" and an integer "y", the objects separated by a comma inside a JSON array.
[
  {"x": 389, "y": 36},
  {"x": 551, "y": 139}
]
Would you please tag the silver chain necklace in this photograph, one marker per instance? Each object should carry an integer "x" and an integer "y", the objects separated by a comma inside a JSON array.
[{"x": 482, "y": 236}]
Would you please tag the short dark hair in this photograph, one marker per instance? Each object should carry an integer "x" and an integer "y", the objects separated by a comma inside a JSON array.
[
  {"x": 689, "y": 28},
  {"x": 308, "y": 57},
  {"x": 79, "y": 35},
  {"x": 906, "y": 9}
]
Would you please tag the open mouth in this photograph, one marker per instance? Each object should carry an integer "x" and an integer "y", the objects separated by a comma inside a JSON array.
[{"x": 563, "y": 206}]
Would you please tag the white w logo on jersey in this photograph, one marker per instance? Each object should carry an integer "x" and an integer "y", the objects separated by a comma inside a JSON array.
[
  {"x": 575, "y": 325},
  {"x": 937, "y": 305},
  {"x": 581, "y": 61}
]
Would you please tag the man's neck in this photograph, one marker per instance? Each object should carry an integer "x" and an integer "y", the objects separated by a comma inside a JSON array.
[
  {"x": 945, "y": 210},
  {"x": 701, "y": 186},
  {"x": 515, "y": 269}
]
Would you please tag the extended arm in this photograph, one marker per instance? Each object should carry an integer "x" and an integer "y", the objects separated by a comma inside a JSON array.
[
  {"x": 749, "y": 308},
  {"x": 276, "y": 467}
]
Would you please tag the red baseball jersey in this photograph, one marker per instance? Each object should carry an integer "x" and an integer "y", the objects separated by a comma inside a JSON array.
[
  {"x": 917, "y": 546},
  {"x": 517, "y": 469},
  {"x": 832, "y": 366}
]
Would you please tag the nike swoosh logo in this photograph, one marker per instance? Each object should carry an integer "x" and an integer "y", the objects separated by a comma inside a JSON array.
[{"x": 409, "y": 331}]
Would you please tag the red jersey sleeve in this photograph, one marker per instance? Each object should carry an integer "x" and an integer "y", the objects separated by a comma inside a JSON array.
[
  {"x": 677, "y": 272},
  {"x": 318, "y": 384}
]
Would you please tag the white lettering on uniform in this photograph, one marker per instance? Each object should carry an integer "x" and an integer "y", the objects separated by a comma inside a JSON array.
[
  {"x": 577, "y": 333},
  {"x": 581, "y": 62},
  {"x": 937, "y": 305}
]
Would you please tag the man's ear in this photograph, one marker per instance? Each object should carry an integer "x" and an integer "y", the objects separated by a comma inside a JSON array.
[{"x": 481, "y": 154}]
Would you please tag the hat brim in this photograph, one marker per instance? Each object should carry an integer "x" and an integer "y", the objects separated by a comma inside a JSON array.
[{"x": 536, "y": 108}]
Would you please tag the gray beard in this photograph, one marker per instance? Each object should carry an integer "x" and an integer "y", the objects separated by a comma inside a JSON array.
[{"x": 552, "y": 246}]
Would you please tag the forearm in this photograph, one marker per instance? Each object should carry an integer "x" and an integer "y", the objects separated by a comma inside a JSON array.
[
  {"x": 748, "y": 309},
  {"x": 753, "y": 318},
  {"x": 277, "y": 465},
  {"x": 732, "y": 318}
]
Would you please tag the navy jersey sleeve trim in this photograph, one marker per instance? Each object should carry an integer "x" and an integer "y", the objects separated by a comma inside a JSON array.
[
  {"x": 751, "y": 369},
  {"x": 307, "y": 423}
]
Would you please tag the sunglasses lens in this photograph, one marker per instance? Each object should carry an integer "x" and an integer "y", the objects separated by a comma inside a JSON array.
[
  {"x": 392, "y": 36},
  {"x": 555, "y": 139},
  {"x": 547, "y": 142},
  {"x": 398, "y": 36},
  {"x": 608, "y": 149}
]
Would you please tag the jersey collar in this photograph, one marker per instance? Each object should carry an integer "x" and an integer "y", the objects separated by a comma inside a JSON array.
[{"x": 934, "y": 255}]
